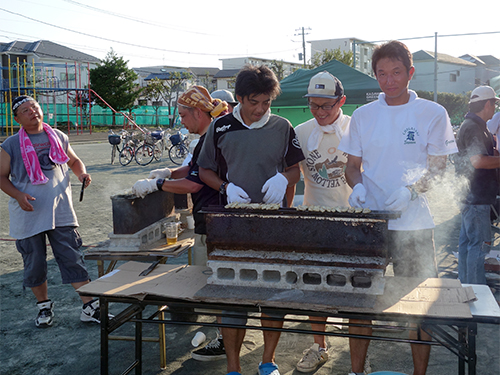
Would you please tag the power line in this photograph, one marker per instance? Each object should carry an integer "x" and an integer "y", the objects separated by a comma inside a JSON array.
[
  {"x": 109, "y": 13},
  {"x": 132, "y": 44}
]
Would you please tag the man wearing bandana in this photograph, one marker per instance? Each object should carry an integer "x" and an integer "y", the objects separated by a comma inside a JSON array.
[
  {"x": 197, "y": 109},
  {"x": 34, "y": 172}
]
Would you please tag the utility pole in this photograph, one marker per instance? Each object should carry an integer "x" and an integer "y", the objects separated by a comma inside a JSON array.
[
  {"x": 302, "y": 30},
  {"x": 436, "y": 67}
]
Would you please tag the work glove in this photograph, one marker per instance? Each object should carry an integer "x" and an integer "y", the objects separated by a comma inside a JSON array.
[
  {"x": 358, "y": 195},
  {"x": 236, "y": 194},
  {"x": 399, "y": 199},
  {"x": 275, "y": 189},
  {"x": 160, "y": 173},
  {"x": 143, "y": 187}
]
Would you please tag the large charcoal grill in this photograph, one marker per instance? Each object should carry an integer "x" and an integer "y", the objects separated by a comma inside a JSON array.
[{"x": 288, "y": 248}]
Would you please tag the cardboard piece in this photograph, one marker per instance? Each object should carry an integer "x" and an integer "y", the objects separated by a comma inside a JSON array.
[
  {"x": 173, "y": 281},
  {"x": 431, "y": 297},
  {"x": 402, "y": 296}
]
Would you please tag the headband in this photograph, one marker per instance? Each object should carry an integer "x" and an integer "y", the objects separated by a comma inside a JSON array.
[{"x": 19, "y": 101}]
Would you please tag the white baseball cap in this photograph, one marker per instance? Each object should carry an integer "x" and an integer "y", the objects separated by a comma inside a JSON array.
[
  {"x": 483, "y": 93},
  {"x": 325, "y": 85}
]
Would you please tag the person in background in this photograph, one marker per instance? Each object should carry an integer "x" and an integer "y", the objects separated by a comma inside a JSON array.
[
  {"x": 251, "y": 155},
  {"x": 226, "y": 96},
  {"x": 494, "y": 128},
  {"x": 197, "y": 109},
  {"x": 479, "y": 163},
  {"x": 323, "y": 171},
  {"x": 396, "y": 146},
  {"x": 34, "y": 172}
]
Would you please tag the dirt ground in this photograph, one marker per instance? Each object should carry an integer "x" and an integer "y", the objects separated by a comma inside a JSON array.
[{"x": 72, "y": 347}]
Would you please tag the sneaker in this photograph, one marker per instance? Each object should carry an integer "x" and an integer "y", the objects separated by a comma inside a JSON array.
[
  {"x": 312, "y": 359},
  {"x": 213, "y": 351},
  {"x": 45, "y": 314},
  {"x": 91, "y": 312},
  {"x": 269, "y": 368}
]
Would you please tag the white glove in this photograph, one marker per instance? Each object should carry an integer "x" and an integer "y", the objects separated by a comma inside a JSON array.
[
  {"x": 143, "y": 187},
  {"x": 358, "y": 195},
  {"x": 275, "y": 189},
  {"x": 236, "y": 194},
  {"x": 160, "y": 173},
  {"x": 399, "y": 199}
]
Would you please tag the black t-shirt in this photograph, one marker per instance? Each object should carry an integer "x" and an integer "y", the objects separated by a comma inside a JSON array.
[
  {"x": 475, "y": 139},
  {"x": 203, "y": 198}
]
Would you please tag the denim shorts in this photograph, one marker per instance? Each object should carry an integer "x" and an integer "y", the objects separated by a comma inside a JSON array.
[{"x": 65, "y": 243}]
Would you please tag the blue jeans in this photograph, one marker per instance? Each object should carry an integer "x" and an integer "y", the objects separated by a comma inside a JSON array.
[{"x": 472, "y": 244}]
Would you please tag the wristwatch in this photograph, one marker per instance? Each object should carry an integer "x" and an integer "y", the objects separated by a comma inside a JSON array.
[
  {"x": 222, "y": 188},
  {"x": 414, "y": 194},
  {"x": 159, "y": 183}
]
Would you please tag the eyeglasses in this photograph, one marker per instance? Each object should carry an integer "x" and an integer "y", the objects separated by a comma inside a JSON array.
[{"x": 324, "y": 107}]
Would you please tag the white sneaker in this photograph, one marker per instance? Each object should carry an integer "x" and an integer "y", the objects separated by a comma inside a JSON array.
[
  {"x": 45, "y": 314},
  {"x": 313, "y": 357},
  {"x": 91, "y": 312}
]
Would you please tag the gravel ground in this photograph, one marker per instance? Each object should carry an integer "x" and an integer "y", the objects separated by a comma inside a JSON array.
[{"x": 72, "y": 347}]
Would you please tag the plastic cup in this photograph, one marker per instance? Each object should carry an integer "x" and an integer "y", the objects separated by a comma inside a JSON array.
[
  {"x": 171, "y": 232},
  {"x": 198, "y": 339},
  {"x": 190, "y": 221}
]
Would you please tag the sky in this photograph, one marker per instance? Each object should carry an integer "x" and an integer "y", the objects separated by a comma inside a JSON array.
[{"x": 199, "y": 33}]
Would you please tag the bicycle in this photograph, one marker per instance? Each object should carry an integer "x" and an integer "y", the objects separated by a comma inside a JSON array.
[
  {"x": 156, "y": 138},
  {"x": 115, "y": 140},
  {"x": 178, "y": 151},
  {"x": 136, "y": 148}
]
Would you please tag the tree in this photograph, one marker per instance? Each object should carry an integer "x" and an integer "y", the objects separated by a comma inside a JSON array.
[
  {"x": 328, "y": 55},
  {"x": 278, "y": 68},
  {"x": 153, "y": 93},
  {"x": 207, "y": 82},
  {"x": 114, "y": 82},
  {"x": 167, "y": 89}
]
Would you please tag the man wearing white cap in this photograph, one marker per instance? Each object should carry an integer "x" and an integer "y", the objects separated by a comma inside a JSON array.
[
  {"x": 479, "y": 162},
  {"x": 323, "y": 170}
]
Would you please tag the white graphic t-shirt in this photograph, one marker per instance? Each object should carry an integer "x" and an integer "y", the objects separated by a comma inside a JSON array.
[{"x": 324, "y": 168}]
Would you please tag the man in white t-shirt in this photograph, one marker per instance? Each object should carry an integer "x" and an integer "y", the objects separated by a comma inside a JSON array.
[
  {"x": 494, "y": 127},
  {"x": 323, "y": 170},
  {"x": 397, "y": 145}
]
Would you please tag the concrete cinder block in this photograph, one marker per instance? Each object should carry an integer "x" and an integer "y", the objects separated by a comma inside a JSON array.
[
  {"x": 141, "y": 240},
  {"x": 285, "y": 276}
]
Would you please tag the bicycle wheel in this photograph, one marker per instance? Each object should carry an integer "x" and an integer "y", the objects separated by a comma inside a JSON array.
[
  {"x": 158, "y": 153},
  {"x": 113, "y": 153},
  {"x": 126, "y": 155},
  {"x": 144, "y": 154},
  {"x": 178, "y": 153}
]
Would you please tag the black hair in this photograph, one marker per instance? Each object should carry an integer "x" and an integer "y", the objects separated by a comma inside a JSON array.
[
  {"x": 392, "y": 50},
  {"x": 256, "y": 80}
]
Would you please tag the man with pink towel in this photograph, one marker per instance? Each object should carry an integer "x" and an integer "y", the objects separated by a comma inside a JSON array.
[{"x": 34, "y": 172}]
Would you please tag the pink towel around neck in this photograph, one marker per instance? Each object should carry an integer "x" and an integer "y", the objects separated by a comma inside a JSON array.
[{"x": 30, "y": 158}]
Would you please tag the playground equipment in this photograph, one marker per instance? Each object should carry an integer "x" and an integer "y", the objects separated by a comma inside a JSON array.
[{"x": 63, "y": 93}]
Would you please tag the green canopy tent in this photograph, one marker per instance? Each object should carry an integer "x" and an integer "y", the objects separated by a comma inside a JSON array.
[
  {"x": 495, "y": 83},
  {"x": 359, "y": 89}
]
